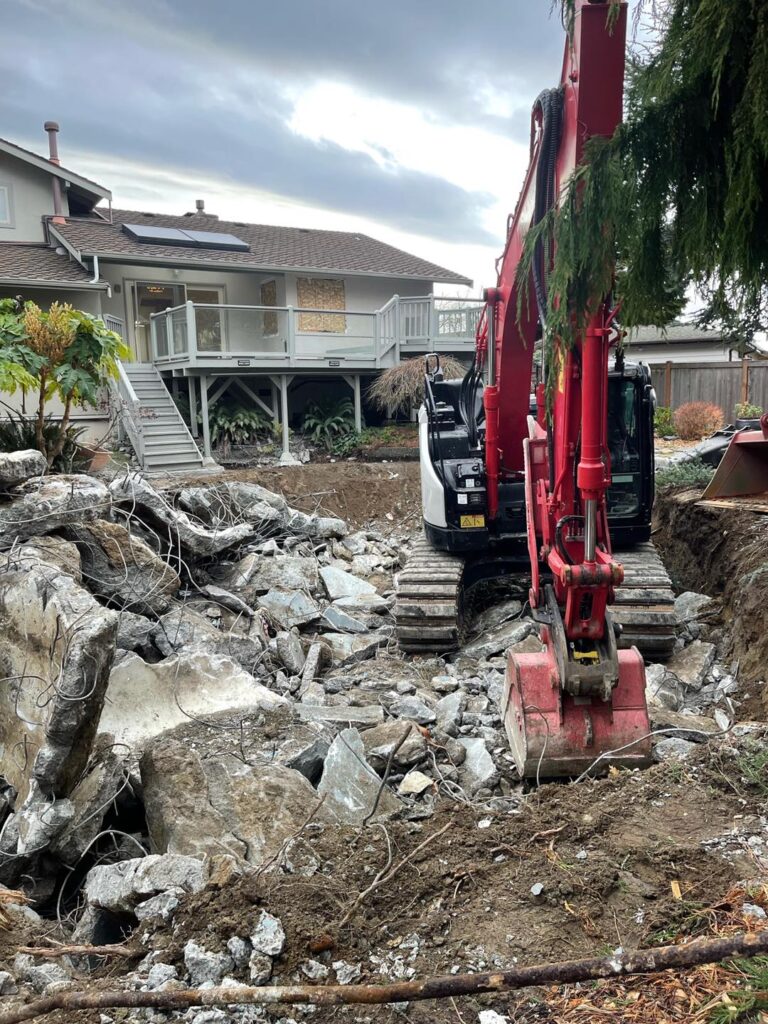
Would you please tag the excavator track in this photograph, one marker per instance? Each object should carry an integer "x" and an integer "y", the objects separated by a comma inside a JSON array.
[{"x": 429, "y": 607}]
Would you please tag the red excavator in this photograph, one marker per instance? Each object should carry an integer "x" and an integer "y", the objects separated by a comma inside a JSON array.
[{"x": 505, "y": 476}]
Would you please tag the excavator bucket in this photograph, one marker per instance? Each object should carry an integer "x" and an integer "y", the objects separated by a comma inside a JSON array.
[
  {"x": 743, "y": 471},
  {"x": 554, "y": 734}
]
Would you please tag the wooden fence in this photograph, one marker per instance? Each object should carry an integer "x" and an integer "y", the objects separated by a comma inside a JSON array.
[{"x": 725, "y": 383}]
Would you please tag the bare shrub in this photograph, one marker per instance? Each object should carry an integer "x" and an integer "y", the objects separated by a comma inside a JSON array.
[
  {"x": 695, "y": 420},
  {"x": 401, "y": 387}
]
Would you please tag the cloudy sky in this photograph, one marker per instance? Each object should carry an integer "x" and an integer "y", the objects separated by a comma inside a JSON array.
[{"x": 406, "y": 119}]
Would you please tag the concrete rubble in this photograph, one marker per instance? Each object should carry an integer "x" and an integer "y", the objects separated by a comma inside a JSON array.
[{"x": 198, "y": 679}]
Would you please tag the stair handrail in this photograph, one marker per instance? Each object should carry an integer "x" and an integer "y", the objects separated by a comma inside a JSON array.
[{"x": 128, "y": 409}]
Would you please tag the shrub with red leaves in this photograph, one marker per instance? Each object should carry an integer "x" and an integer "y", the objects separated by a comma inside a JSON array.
[{"x": 695, "y": 420}]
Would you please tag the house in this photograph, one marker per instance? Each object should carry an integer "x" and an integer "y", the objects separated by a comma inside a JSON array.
[
  {"x": 680, "y": 343},
  {"x": 273, "y": 315}
]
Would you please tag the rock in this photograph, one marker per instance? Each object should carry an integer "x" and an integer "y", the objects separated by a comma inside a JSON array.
[
  {"x": 444, "y": 684},
  {"x": 16, "y": 467},
  {"x": 181, "y": 631},
  {"x": 317, "y": 655},
  {"x": 255, "y": 574},
  {"x": 339, "y": 583},
  {"x": 146, "y": 700},
  {"x": 692, "y": 663},
  {"x": 341, "y": 714},
  {"x": 201, "y": 806},
  {"x": 690, "y": 605},
  {"x": 39, "y": 821},
  {"x": 239, "y": 949},
  {"x": 478, "y": 770},
  {"x": 202, "y": 965},
  {"x": 134, "y": 633},
  {"x": 160, "y": 973},
  {"x": 413, "y": 708},
  {"x": 496, "y": 616},
  {"x": 58, "y": 646},
  {"x": 500, "y": 639},
  {"x": 135, "y": 492},
  {"x": 39, "y": 976},
  {"x": 311, "y": 969},
  {"x": 163, "y": 905},
  {"x": 663, "y": 688},
  {"x": 346, "y": 973},
  {"x": 316, "y": 527},
  {"x": 696, "y": 728},
  {"x": 91, "y": 799},
  {"x": 450, "y": 710},
  {"x": 8, "y": 986},
  {"x": 51, "y": 503},
  {"x": 290, "y": 652},
  {"x": 379, "y": 742},
  {"x": 54, "y": 552},
  {"x": 415, "y": 783},
  {"x": 121, "y": 568},
  {"x": 350, "y": 785},
  {"x": 337, "y": 620},
  {"x": 289, "y": 608},
  {"x": 121, "y": 887},
  {"x": 350, "y": 648},
  {"x": 673, "y": 748},
  {"x": 363, "y": 604},
  {"x": 227, "y": 600},
  {"x": 259, "y": 968},
  {"x": 268, "y": 936}
]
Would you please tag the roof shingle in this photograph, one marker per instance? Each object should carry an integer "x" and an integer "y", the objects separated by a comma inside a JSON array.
[
  {"x": 272, "y": 248},
  {"x": 24, "y": 262}
]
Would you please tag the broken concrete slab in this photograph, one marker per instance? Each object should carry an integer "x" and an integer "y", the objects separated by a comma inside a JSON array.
[
  {"x": 349, "y": 784},
  {"x": 58, "y": 647},
  {"x": 450, "y": 710},
  {"x": 415, "y": 783},
  {"x": 673, "y": 748},
  {"x": 16, "y": 467},
  {"x": 145, "y": 700},
  {"x": 350, "y": 648},
  {"x": 662, "y": 688},
  {"x": 363, "y": 604},
  {"x": 695, "y": 728},
  {"x": 315, "y": 527},
  {"x": 689, "y": 605},
  {"x": 228, "y": 503},
  {"x": 227, "y": 600},
  {"x": 51, "y": 551},
  {"x": 692, "y": 663},
  {"x": 499, "y": 639},
  {"x": 182, "y": 630},
  {"x": 340, "y": 621},
  {"x": 339, "y": 583},
  {"x": 91, "y": 799},
  {"x": 121, "y": 568},
  {"x": 290, "y": 652},
  {"x": 341, "y": 714},
  {"x": 478, "y": 770},
  {"x": 414, "y": 708},
  {"x": 255, "y": 574},
  {"x": 134, "y": 633},
  {"x": 289, "y": 608},
  {"x": 135, "y": 492},
  {"x": 121, "y": 887},
  {"x": 44, "y": 504},
  {"x": 380, "y": 742},
  {"x": 220, "y": 804}
]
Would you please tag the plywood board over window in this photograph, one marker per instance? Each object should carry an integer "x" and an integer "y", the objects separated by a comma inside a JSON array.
[
  {"x": 269, "y": 298},
  {"x": 321, "y": 293}
]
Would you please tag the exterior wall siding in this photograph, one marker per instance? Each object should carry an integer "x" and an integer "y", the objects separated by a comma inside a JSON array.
[{"x": 31, "y": 200}]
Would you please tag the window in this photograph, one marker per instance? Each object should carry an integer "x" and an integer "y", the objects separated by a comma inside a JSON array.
[
  {"x": 321, "y": 293},
  {"x": 210, "y": 328},
  {"x": 6, "y": 212}
]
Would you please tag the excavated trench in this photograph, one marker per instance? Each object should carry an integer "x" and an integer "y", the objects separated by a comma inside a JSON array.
[{"x": 723, "y": 553}]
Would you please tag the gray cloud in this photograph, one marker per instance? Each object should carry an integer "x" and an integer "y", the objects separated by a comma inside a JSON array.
[{"x": 204, "y": 87}]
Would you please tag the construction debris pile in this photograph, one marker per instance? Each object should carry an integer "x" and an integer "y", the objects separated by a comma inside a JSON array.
[{"x": 195, "y": 680}]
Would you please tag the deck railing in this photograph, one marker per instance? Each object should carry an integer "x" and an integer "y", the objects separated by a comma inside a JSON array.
[{"x": 290, "y": 336}]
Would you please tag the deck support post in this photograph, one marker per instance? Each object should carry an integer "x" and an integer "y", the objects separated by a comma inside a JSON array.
[
  {"x": 354, "y": 382},
  {"x": 282, "y": 381},
  {"x": 193, "y": 424},
  {"x": 204, "y": 411}
]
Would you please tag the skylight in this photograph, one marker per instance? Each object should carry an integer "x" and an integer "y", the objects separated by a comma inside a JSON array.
[{"x": 186, "y": 239}]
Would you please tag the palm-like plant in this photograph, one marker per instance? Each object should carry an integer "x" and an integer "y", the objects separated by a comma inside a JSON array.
[{"x": 324, "y": 423}]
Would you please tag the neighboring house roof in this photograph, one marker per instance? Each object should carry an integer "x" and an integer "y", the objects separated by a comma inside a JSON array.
[
  {"x": 674, "y": 334},
  {"x": 25, "y": 264},
  {"x": 271, "y": 248},
  {"x": 90, "y": 188}
]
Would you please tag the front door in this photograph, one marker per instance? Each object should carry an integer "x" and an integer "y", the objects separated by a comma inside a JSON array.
[{"x": 149, "y": 298}]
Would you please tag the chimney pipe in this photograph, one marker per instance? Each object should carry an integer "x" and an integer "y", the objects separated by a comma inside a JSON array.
[
  {"x": 53, "y": 155},
  {"x": 200, "y": 205}
]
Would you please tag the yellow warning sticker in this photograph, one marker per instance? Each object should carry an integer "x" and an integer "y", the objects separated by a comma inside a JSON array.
[{"x": 471, "y": 522}]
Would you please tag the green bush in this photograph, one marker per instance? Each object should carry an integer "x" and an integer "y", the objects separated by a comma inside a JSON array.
[
  {"x": 325, "y": 424},
  {"x": 747, "y": 411},
  {"x": 19, "y": 433},
  {"x": 691, "y": 473},
  {"x": 235, "y": 424},
  {"x": 663, "y": 423}
]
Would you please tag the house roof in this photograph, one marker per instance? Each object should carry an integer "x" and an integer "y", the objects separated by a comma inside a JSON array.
[
  {"x": 674, "y": 334},
  {"x": 26, "y": 263},
  {"x": 91, "y": 189},
  {"x": 271, "y": 247}
]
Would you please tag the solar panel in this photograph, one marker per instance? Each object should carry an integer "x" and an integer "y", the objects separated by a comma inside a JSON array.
[
  {"x": 187, "y": 239},
  {"x": 217, "y": 240}
]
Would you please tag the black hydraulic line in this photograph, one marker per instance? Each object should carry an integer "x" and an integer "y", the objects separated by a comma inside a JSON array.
[{"x": 559, "y": 542}]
